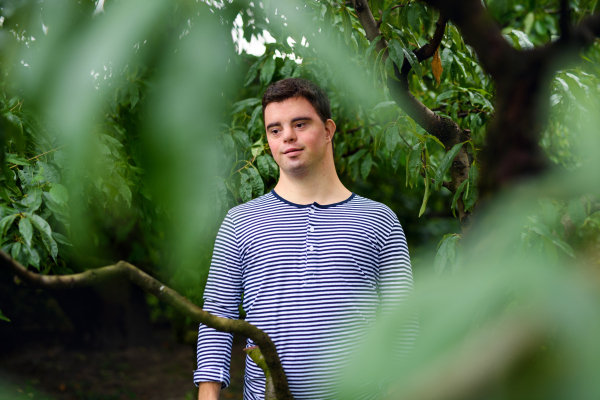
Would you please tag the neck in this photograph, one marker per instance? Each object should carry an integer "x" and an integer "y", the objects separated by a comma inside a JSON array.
[{"x": 321, "y": 185}]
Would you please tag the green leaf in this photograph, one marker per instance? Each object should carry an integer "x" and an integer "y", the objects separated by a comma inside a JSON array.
[
  {"x": 16, "y": 159},
  {"x": 471, "y": 194},
  {"x": 447, "y": 251},
  {"x": 384, "y": 104},
  {"x": 386, "y": 12},
  {"x": 54, "y": 206},
  {"x": 426, "y": 195},
  {"x": 392, "y": 138},
  {"x": 564, "y": 246},
  {"x": 245, "y": 187},
  {"x": 441, "y": 257},
  {"x": 266, "y": 166},
  {"x": 551, "y": 216},
  {"x": 414, "y": 16},
  {"x": 122, "y": 188},
  {"x": 257, "y": 147},
  {"x": 267, "y": 71},
  {"x": 413, "y": 164},
  {"x": 372, "y": 47},
  {"x": 50, "y": 173},
  {"x": 112, "y": 142},
  {"x": 435, "y": 140},
  {"x": 457, "y": 194},
  {"x": 26, "y": 230},
  {"x": 242, "y": 138},
  {"x": 354, "y": 157},
  {"x": 240, "y": 105},
  {"x": 251, "y": 75},
  {"x": 347, "y": 23},
  {"x": 263, "y": 166},
  {"x": 6, "y": 223},
  {"x": 365, "y": 166},
  {"x": 258, "y": 186},
  {"x": 228, "y": 142},
  {"x": 274, "y": 168},
  {"x": 396, "y": 52},
  {"x": 257, "y": 111},
  {"x": 577, "y": 212},
  {"x": 445, "y": 165},
  {"x": 443, "y": 96},
  {"x": 34, "y": 257},
  {"x": 61, "y": 239},
  {"x": 220, "y": 192},
  {"x": 414, "y": 62},
  {"x": 15, "y": 251},
  {"x": 59, "y": 194},
  {"x": 377, "y": 65},
  {"x": 396, "y": 159},
  {"x": 33, "y": 200},
  {"x": 134, "y": 92},
  {"x": 42, "y": 226},
  {"x": 3, "y": 317},
  {"x": 523, "y": 40}
]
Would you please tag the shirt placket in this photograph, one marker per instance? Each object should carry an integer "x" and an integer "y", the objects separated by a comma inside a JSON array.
[{"x": 311, "y": 245}]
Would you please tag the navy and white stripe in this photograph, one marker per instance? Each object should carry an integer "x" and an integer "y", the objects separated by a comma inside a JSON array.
[{"x": 313, "y": 277}]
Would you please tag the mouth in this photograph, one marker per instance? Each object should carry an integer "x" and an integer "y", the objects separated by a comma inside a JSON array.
[{"x": 291, "y": 152}]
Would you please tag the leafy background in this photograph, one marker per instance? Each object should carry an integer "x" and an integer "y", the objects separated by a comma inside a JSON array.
[{"x": 130, "y": 137}]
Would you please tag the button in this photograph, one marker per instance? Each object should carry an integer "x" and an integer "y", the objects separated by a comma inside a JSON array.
[
  {"x": 311, "y": 248},
  {"x": 312, "y": 229},
  {"x": 312, "y": 211}
]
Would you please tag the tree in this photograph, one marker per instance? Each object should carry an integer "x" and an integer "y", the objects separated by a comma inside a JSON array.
[{"x": 435, "y": 87}]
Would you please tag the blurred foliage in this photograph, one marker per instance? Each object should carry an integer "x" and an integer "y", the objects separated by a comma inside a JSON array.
[{"x": 130, "y": 131}]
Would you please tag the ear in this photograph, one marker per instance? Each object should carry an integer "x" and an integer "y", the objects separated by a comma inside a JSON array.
[{"x": 329, "y": 129}]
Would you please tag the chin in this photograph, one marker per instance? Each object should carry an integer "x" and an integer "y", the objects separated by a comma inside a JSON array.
[{"x": 296, "y": 168}]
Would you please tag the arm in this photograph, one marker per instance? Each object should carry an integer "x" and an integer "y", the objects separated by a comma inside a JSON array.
[
  {"x": 209, "y": 390},
  {"x": 396, "y": 285},
  {"x": 222, "y": 297}
]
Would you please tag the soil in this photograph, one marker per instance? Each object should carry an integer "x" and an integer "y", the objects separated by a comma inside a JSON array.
[{"x": 157, "y": 373}]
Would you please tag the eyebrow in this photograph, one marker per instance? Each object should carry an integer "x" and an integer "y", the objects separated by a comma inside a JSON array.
[{"x": 272, "y": 124}]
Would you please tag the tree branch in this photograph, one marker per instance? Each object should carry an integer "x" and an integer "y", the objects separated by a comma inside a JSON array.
[
  {"x": 444, "y": 129},
  {"x": 480, "y": 31},
  {"x": 565, "y": 19},
  {"x": 169, "y": 296},
  {"x": 363, "y": 12}
]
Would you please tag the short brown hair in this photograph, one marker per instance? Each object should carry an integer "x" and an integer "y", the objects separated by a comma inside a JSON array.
[{"x": 298, "y": 87}]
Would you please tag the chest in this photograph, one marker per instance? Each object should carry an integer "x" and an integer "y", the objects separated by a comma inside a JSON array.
[{"x": 307, "y": 247}]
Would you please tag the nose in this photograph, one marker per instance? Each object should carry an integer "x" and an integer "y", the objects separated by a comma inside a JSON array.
[{"x": 288, "y": 134}]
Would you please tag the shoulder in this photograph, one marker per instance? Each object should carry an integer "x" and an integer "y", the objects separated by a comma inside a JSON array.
[
  {"x": 373, "y": 209},
  {"x": 252, "y": 208}
]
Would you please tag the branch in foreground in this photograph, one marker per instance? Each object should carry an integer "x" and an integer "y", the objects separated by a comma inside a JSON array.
[{"x": 169, "y": 296}]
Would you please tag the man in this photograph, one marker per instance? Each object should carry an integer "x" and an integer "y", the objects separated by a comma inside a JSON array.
[{"x": 315, "y": 263}]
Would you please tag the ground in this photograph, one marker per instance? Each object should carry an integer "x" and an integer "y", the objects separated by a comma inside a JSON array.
[{"x": 160, "y": 373}]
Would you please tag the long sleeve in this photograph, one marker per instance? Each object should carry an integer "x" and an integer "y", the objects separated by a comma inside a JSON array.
[
  {"x": 396, "y": 285},
  {"x": 222, "y": 297}
]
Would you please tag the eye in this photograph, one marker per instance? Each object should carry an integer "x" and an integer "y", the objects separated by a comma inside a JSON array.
[
  {"x": 274, "y": 131},
  {"x": 300, "y": 124}
]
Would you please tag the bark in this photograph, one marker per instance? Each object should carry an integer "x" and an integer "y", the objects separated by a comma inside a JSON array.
[
  {"x": 169, "y": 296},
  {"x": 443, "y": 128}
]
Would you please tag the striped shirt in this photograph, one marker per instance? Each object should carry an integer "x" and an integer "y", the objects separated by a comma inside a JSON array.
[{"x": 314, "y": 277}]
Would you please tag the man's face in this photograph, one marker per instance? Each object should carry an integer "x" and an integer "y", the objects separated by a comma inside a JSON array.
[{"x": 297, "y": 136}]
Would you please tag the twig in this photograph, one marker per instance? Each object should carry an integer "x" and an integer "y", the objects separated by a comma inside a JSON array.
[{"x": 39, "y": 155}]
